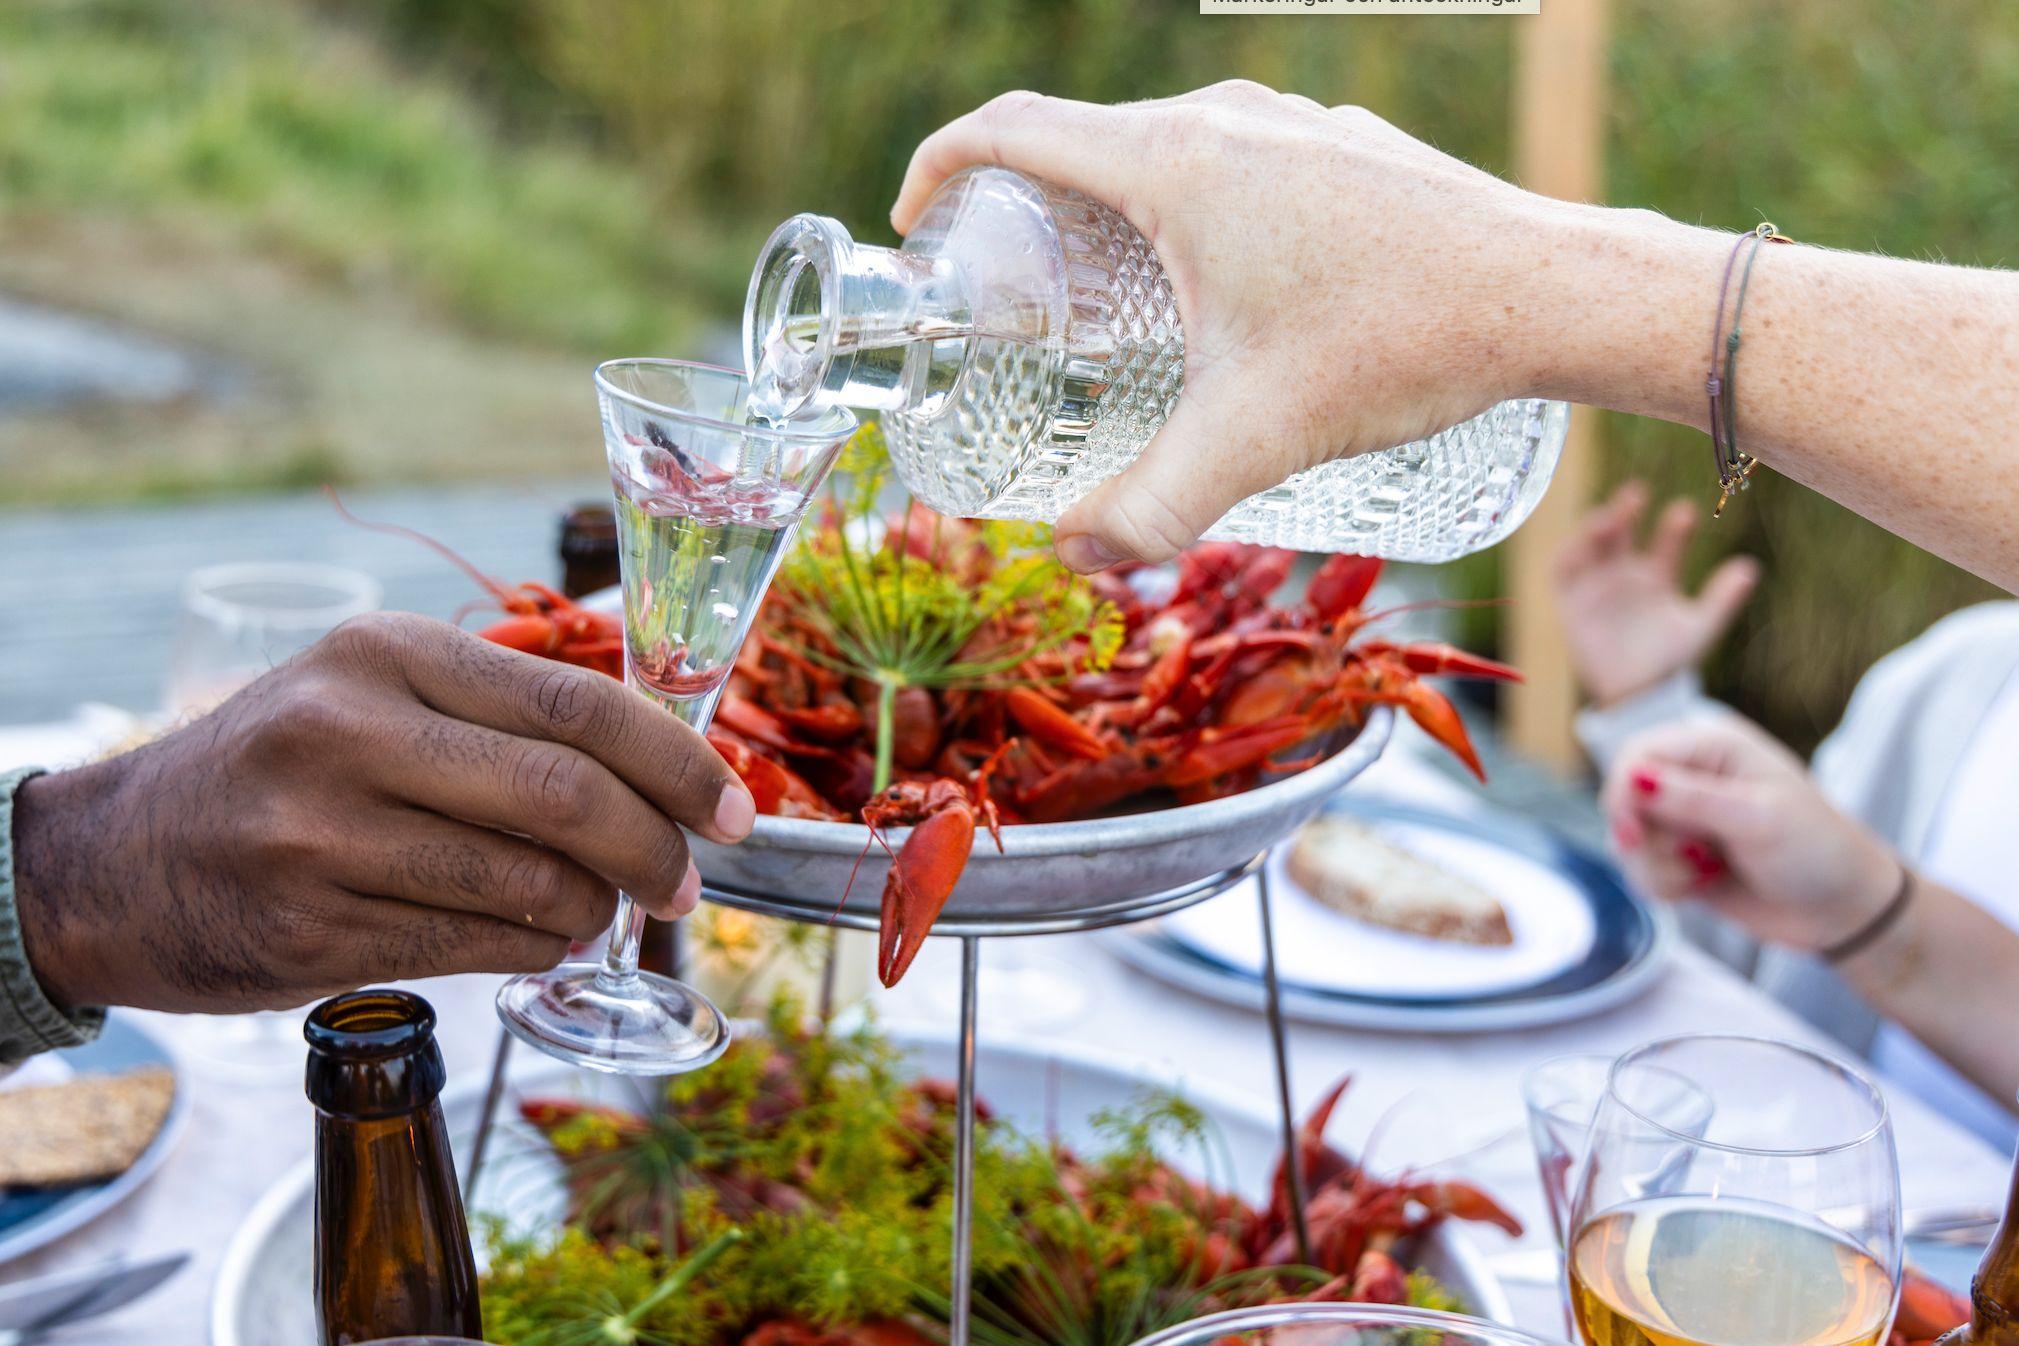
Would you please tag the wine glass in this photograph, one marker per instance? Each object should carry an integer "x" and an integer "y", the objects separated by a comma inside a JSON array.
[
  {"x": 707, "y": 499},
  {"x": 1778, "y": 1225},
  {"x": 238, "y": 621},
  {"x": 1561, "y": 1095},
  {"x": 1334, "y": 1324}
]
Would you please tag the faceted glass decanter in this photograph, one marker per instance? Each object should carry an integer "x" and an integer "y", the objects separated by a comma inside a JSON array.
[{"x": 1023, "y": 346}]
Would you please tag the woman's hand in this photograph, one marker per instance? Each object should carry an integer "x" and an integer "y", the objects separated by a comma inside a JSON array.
[
  {"x": 1626, "y": 617},
  {"x": 1715, "y": 809},
  {"x": 1346, "y": 288},
  {"x": 1342, "y": 286},
  {"x": 400, "y": 800}
]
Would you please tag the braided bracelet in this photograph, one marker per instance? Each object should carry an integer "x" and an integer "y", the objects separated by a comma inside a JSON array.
[
  {"x": 1868, "y": 934},
  {"x": 1734, "y": 468}
]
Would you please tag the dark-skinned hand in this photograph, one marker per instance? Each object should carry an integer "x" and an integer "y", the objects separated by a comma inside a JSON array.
[{"x": 401, "y": 800}]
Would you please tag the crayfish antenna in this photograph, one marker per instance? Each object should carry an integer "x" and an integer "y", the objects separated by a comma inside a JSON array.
[
  {"x": 875, "y": 838},
  {"x": 508, "y": 600}
]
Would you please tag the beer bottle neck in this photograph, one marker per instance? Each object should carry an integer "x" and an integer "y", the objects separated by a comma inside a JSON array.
[
  {"x": 1994, "y": 1290},
  {"x": 372, "y": 1055}
]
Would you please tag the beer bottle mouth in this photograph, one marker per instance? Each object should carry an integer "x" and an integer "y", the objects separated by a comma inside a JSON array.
[{"x": 370, "y": 1025}]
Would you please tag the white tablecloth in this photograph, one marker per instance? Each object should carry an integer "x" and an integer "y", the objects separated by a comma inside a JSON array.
[
  {"x": 1435, "y": 1097},
  {"x": 1441, "y": 1096}
]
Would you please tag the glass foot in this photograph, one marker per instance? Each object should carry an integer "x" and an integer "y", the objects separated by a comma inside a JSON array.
[{"x": 644, "y": 1024}]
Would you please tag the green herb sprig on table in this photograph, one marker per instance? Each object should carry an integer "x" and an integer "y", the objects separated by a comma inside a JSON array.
[{"x": 835, "y": 1169}]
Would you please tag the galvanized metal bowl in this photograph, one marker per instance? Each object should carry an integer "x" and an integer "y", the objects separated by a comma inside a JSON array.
[{"x": 1048, "y": 876}]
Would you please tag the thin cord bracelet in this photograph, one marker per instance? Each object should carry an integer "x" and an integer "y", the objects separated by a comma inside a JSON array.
[
  {"x": 1868, "y": 934},
  {"x": 1734, "y": 468}
]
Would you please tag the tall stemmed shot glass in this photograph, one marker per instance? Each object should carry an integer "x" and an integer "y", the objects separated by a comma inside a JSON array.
[
  {"x": 1778, "y": 1225},
  {"x": 708, "y": 497}
]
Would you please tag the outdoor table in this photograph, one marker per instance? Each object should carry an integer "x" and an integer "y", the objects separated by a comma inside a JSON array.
[
  {"x": 243, "y": 1136},
  {"x": 1435, "y": 1098}
]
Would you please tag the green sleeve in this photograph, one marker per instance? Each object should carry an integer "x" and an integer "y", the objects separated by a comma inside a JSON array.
[{"x": 29, "y": 1021}]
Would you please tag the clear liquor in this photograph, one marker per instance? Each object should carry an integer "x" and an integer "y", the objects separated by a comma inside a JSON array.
[{"x": 691, "y": 567}]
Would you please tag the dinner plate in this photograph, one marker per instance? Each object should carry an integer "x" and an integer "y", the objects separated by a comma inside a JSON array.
[
  {"x": 31, "y": 1219},
  {"x": 1549, "y": 914},
  {"x": 263, "y": 1295},
  {"x": 1624, "y": 955}
]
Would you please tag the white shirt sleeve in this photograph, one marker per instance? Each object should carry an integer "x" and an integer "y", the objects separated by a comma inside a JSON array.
[{"x": 1605, "y": 730}]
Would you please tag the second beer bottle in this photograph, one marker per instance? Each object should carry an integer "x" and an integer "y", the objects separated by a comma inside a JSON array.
[{"x": 392, "y": 1248}]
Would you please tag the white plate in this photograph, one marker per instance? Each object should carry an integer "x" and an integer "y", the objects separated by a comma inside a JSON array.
[
  {"x": 1317, "y": 948},
  {"x": 30, "y": 1220},
  {"x": 263, "y": 1295},
  {"x": 1144, "y": 948}
]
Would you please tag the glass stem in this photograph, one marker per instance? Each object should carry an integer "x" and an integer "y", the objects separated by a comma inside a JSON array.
[
  {"x": 620, "y": 963},
  {"x": 627, "y": 931}
]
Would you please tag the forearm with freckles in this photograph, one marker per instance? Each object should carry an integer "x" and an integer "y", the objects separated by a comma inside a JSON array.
[
  {"x": 1890, "y": 386},
  {"x": 1945, "y": 971}
]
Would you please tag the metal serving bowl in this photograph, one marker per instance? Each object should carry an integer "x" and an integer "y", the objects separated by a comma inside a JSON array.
[{"x": 1048, "y": 875}]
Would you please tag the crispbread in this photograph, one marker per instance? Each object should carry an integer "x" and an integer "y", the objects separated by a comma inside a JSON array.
[
  {"x": 1348, "y": 868},
  {"x": 94, "y": 1126}
]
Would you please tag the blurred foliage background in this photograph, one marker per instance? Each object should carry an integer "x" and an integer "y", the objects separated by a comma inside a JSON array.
[{"x": 455, "y": 203}]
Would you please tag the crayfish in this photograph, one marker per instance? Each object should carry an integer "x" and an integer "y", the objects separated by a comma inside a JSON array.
[
  {"x": 538, "y": 620},
  {"x": 1213, "y": 690}
]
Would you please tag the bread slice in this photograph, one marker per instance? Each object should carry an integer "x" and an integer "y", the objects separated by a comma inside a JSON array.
[
  {"x": 1345, "y": 866},
  {"x": 84, "y": 1129}
]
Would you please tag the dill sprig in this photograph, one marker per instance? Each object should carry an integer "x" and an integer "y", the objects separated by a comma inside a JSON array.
[
  {"x": 977, "y": 614},
  {"x": 837, "y": 1172}
]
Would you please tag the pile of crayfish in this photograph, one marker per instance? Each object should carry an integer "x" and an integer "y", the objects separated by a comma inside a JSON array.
[
  {"x": 1213, "y": 690},
  {"x": 1210, "y": 688}
]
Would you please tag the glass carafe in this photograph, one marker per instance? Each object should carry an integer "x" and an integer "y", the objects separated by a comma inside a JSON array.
[{"x": 1024, "y": 345}]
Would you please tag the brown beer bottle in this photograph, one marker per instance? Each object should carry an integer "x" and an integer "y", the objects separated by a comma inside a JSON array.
[
  {"x": 588, "y": 550},
  {"x": 1994, "y": 1290},
  {"x": 392, "y": 1251}
]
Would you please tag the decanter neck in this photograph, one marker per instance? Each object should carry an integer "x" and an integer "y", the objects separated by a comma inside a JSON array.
[{"x": 828, "y": 320}]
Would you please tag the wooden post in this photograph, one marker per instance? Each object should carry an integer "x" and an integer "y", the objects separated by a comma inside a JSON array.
[{"x": 1559, "y": 150}]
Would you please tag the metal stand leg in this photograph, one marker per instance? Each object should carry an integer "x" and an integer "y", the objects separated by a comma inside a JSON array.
[
  {"x": 830, "y": 956},
  {"x": 963, "y": 1144},
  {"x": 1293, "y": 1160},
  {"x": 494, "y": 1094}
]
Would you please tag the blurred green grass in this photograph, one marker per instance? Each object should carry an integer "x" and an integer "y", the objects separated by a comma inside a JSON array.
[
  {"x": 305, "y": 139},
  {"x": 597, "y": 173}
]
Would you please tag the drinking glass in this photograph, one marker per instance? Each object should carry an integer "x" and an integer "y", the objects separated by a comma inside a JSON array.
[
  {"x": 1340, "y": 1325},
  {"x": 1777, "y": 1225},
  {"x": 238, "y": 621},
  {"x": 707, "y": 500},
  {"x": 1561, "y": 1095}
]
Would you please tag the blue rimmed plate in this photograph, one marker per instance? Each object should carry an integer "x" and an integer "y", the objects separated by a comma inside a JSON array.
[
  {"x": 1589, "y": 943},
  {"x": 31, "y": 1219}
]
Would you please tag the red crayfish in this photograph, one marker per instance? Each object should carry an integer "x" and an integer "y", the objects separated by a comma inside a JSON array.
[
  {"x": 1213, "y": 690},
  {"x": 538, "y": 620}
]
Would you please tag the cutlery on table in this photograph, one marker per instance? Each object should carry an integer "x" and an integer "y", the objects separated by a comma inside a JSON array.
[{"x": 33, "y": 1308}]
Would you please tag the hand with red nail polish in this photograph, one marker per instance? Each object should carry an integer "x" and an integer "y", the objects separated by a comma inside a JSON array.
[{"x": 1714, "y": 810}]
